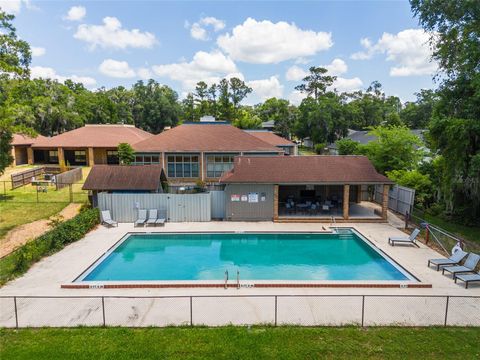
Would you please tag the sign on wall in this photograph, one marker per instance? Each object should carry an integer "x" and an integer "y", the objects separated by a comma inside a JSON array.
[
  {"x": 235, "y": 197},
  {"x": 253, "y": 197}
]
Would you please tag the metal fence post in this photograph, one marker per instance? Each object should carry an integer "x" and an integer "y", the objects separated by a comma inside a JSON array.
[
  {"x": 191, "y": 312},
  {"x": 276, "y": 309},
  {"x": 363, "y": 310},
  {"x": 446, "y": 310},
  {"x": 16, "y": 312},
  {"x": 103, "y": 311}
]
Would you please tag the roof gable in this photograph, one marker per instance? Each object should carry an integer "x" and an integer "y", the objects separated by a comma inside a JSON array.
[
  {"x": 204, "y": 137},
  {"x": 101, "y": 135},
  {"x": 303, "y": 169}
]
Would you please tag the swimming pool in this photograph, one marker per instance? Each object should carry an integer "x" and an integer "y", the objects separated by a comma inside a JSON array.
[{"x": 255, "y": 256}]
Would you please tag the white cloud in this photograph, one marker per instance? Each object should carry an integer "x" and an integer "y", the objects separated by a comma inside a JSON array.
[
  {"x": 76, "y": 13},
  {"x": 295, "y": 73},
  {"x": 112, "y": 35},
  {"x": 347, "y": 85},
  {"x": 14, "y": 6},
  {"x": 265, "y": 42},
  {"x": 409, "y": 50},
  {"x": 49, "y": 73},
  {"x": 336, "y": 67},
  {"x": 198, "y": 29},
  {"x": 38, "y": 51},
  {"x": 266, "y": 88},
  {"x": 296, "y": 97},
  {"x": 116, "y": 69},
  {"x": 144, "y": 73},
  {"x": 205, "y": 66}
]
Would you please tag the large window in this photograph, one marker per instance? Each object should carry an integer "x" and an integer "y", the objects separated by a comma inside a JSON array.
[
  {"x": 182, "y": 166},
  {"x": 112, "y": 157},
  {"x": 147, "y": 159},
  {"x": 80, "y": 156},
  {"x": 218, "y": 164},
  {"x": 53, "y": 156}
]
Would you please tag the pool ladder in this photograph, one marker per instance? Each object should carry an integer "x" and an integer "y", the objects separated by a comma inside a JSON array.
[{"x": 226, "y": 279}]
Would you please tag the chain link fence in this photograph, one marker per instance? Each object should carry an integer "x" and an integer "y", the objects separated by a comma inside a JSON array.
[
  {"x": 43, "y": 192},
  {"x": 438, "y": 238},
  {"x": 274, "y": 310}
]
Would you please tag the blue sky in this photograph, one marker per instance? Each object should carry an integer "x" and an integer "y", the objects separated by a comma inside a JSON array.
[{"x": 268, "y": 44}]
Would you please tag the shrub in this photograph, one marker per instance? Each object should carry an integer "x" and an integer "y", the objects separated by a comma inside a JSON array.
[
  {"x": 62, "y": 234},
  {"x": 347, "y": 147},
  {"x": 319, "y": 148}
]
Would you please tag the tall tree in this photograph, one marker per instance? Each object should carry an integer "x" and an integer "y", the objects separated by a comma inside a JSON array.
[
  {"x": 15, "y": 54},
  {"x": 238, "y": 91},
  {"x": 225, "y": 107},
  {"x": 316, "y": 83},
  {"x": 281, "y": 112},
  {"x": 455, "y": 125}
]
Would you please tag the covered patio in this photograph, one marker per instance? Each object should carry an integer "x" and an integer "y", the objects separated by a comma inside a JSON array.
[{"x": 334, "y": 201}]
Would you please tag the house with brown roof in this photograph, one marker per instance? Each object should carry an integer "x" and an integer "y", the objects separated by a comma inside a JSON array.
[
  {"x": 200, "y": 151},
  {"x": 21, "y": 148},
  {"x": 293, "y": 188},
  {"x": 88, "y": 145},
  {"x": 288, "y": 147}
]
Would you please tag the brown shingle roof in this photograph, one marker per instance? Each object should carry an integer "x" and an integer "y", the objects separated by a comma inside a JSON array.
[
  {"x": 102, "y": 136},
  {"x": 20, "y": 139},
  {"x": 118, "y": 177},
  {"x": 303, "y": 169},
  {"x": 204, "y": 137},
  {"x": 271, "y": 138}
]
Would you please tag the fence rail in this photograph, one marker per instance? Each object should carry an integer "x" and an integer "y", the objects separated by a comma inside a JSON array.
[
  {"x": 302, "y": 310},
  {"x": 43, "y": 192}
]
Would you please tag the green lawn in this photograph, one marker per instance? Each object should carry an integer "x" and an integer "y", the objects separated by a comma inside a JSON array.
[
  {"x": 241, "y": 343},
  {"x": 22, "y": 207},
  {"x": 471, "y": 233},
  {"x": 303, "y": 150}
]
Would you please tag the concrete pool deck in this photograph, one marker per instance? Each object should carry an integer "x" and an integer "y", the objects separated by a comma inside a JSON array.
[{"x": 46, "y": 277}]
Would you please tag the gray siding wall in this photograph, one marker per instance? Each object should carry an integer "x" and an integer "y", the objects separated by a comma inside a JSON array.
[
  {"x": 180, "y": 207},
  {"x": 244, "y": 210},
  {"x": 218, "y": 204}
]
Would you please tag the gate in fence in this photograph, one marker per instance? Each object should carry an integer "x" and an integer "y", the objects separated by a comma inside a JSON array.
[{"x": 400, "y": 198}]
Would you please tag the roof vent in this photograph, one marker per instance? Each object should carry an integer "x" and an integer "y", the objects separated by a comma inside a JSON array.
[{"x": 207, "y": 118}]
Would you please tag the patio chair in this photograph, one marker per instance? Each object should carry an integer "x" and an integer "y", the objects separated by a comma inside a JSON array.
[
  {"x": 468, "y": 278},
  {"x": 152, "y": 217},
  {"x": 162, "y": 217},
  {"x": 405, "y": 240},
  {"x": 107, "y": 219},
  {"x": 142, "y": 217},
  {"x": 468, "y": 266},
  {"x": 452, "y": 260}
]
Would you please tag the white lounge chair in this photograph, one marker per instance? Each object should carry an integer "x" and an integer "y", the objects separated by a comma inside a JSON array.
[
  {"x": 405, "y": 240},
  {"x": 152, "y": 217},
  {"x": 162, "y": 217},
  {"x": 468, "y": 278},
  {"x": 142, "y": 217},
  {"x": 468, "y": 266},
  {"x": 452, "y": 260},
  {"x": 107, "y": 219}
]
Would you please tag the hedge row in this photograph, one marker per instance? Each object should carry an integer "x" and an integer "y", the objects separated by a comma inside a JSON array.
[{"x": 47, "y": 244}]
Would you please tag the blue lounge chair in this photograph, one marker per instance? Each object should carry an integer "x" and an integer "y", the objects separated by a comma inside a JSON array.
[
  {"x": 405, "y": 240},
  {"x": 468, "y": 278},
  {"x": 152, "y": 217},
  {"x": 162, "y": 217},
  {"x": 142, "y": 217},
  {"x": 452, "y": 260},
  {"x": 468, "y": 267},
  {"x": 107, "y": 219}
]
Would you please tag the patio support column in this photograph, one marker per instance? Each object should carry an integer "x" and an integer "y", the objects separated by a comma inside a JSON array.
[
  {"x": 202, "y": 161},
  {"x": 359, "y": 194},
  {"x": 275, "y": 202},
  {"x": 61, "y": 157},
  {"x": 12, "y": 152},
  {"x": 29, "y": 155},
  {"x": 346, "y": 200},
  {"x": 386, "y": 188},
  {"x": 91, "y": 157}
]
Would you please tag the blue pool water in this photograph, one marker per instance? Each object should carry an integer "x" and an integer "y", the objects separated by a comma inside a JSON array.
[{"x": 270, "y": 256}]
